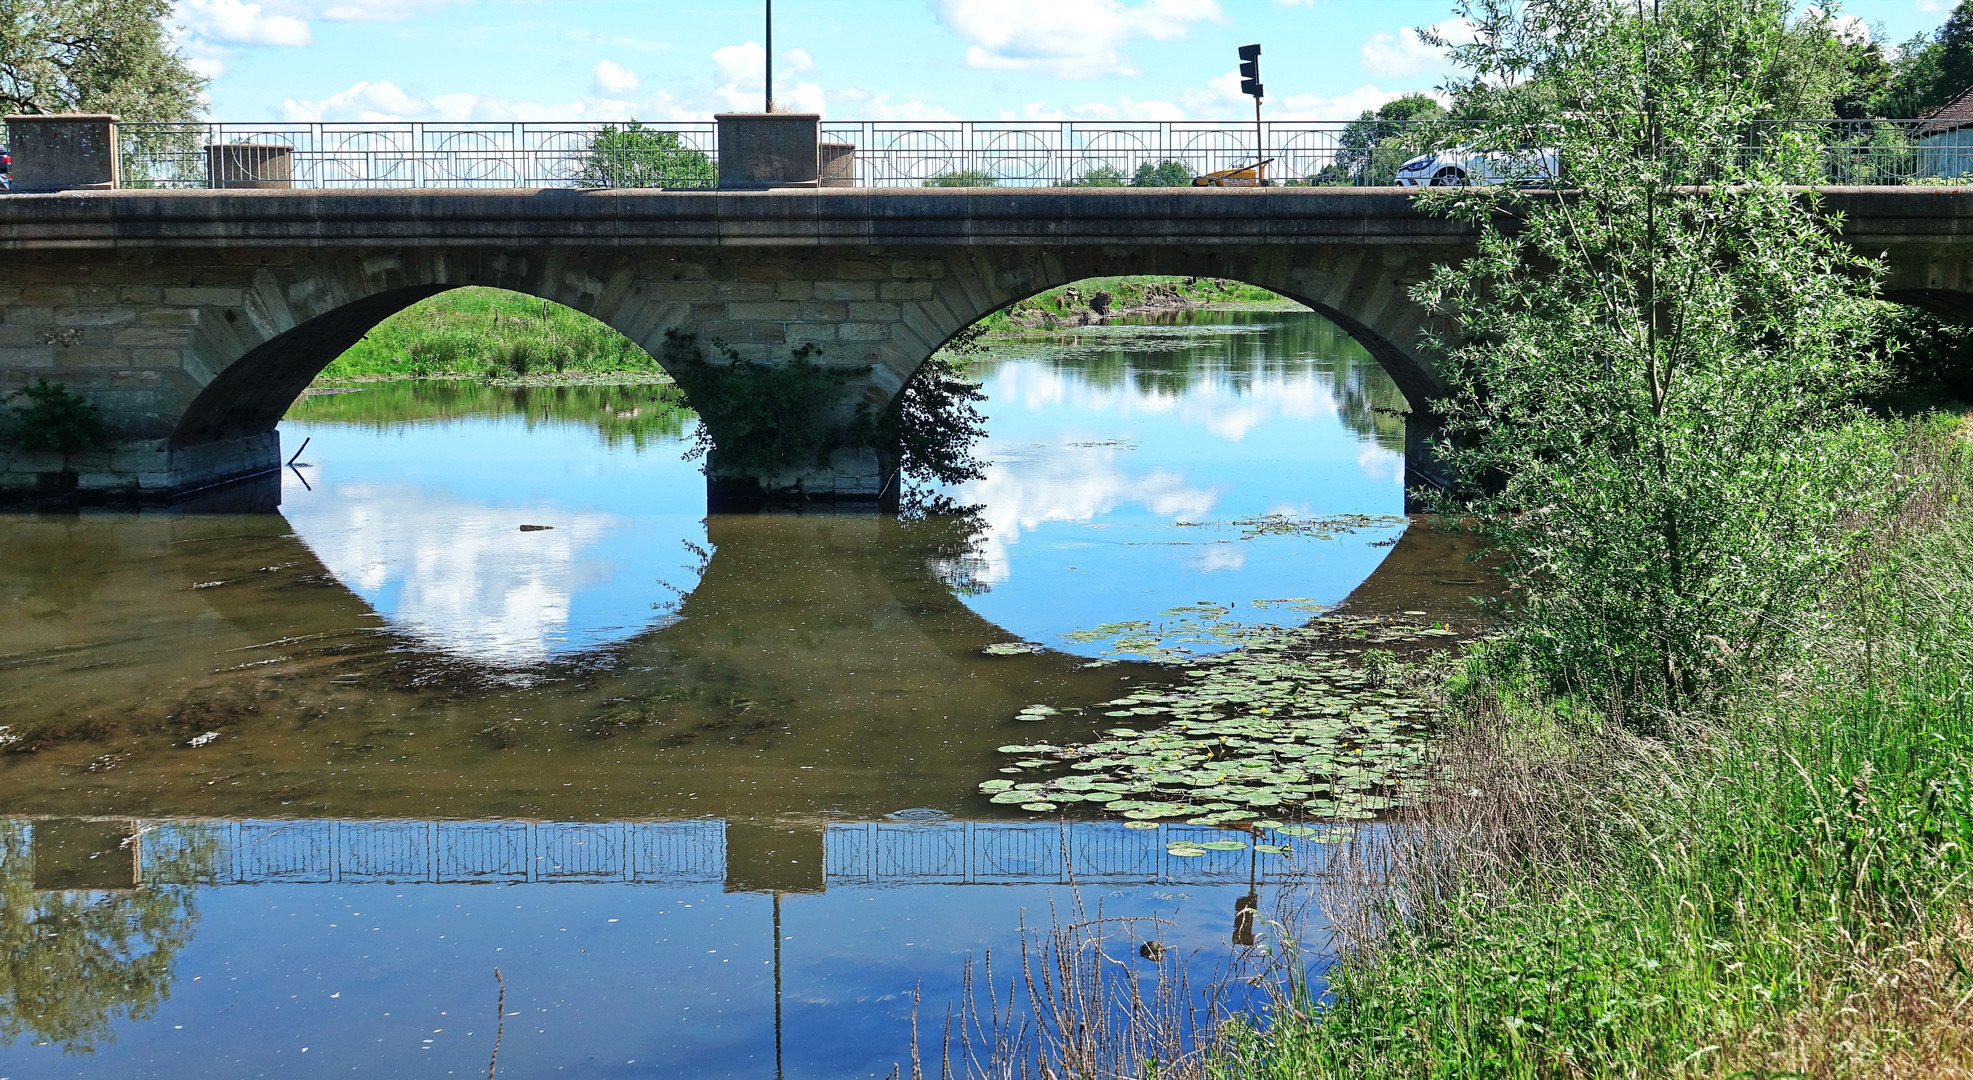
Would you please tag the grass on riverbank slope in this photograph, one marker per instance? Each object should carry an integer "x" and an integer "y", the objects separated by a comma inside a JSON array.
[
  {"x": 1776, "y": 888},
  {"x": 487, "y": 333},
  {"x": 1078, "y": 303},
  {"x": 484, "y": 333}
]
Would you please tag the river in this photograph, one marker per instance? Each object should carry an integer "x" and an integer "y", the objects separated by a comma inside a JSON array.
[{"x": 283, "y": 788}]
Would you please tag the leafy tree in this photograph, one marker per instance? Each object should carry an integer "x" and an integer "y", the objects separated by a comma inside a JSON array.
[
  {"x": 1931, "y": 69},
  {"x": 1101, "y": 176},
  {"x": 113, "y": 56},
  {"x": 963, "y": 178},
  {"x": 1372, "y": 146},
  {"x": 636, "y": 156},
  {"x": 1649, "y": 375},
  {"x": 1165, "y": 173}
]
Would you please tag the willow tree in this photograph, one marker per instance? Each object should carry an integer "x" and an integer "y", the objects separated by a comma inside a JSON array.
[
  {"x": 113, "y": 56},
  {"x": 1652, "y": 355}
]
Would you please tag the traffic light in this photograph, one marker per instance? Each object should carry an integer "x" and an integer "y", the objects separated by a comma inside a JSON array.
[{"x": 1250, "y": 70}]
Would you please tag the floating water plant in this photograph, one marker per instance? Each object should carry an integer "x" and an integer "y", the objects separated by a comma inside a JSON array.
[{"x": 1284, "y": 725}]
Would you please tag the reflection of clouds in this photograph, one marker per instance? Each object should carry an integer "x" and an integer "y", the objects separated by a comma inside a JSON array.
[
  {"x": 1020, "y": 493},
  {"x": 468, "y": 581},
  {"x": 1378, "y": 463},
  {"x": 1227, "y": 407},
  {"x": 1219, "y": 557}
]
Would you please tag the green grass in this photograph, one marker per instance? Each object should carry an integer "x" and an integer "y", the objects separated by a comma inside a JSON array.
[
  {"x": 487, "y": 333},
  {"x": 1778, "y": 887}
]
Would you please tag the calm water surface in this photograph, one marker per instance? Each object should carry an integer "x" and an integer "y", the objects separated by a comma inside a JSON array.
[{"x": 283, "y": 789}]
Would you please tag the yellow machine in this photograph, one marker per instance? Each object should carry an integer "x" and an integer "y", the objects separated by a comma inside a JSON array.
[{"x": 1254, "y": 175}]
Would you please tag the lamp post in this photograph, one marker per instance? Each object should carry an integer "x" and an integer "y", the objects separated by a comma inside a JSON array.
[{"x": 770, "y": 55}]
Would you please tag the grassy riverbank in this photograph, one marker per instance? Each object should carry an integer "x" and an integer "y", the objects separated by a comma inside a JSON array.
[
  {"x": 1775, "y": 884},
  {"x": 490, "y": 333},
  {"x": 1094, "y": 299},
  {"x": 515, "y": 339}
]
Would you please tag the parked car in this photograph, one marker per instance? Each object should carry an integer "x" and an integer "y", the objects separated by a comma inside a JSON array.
[
  {"x": 6, "y": 169},
  {"x": 1452, "y": 167}
]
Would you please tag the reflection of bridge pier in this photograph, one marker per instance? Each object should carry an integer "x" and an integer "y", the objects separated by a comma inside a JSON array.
[{"x": 87, "y": 854}]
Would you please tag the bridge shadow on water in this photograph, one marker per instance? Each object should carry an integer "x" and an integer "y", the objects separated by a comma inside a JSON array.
[{"x": 822, "y": 669}]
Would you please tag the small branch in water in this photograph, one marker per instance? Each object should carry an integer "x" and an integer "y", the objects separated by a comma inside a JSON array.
[
  {"x": 298, "y": 450},
  {"x": 500, "y": 1026}
]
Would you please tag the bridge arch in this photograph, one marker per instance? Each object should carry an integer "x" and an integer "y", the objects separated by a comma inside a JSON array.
[
  {"x": 288, "y": 327},
  {"x": 1363, "y": 295}
]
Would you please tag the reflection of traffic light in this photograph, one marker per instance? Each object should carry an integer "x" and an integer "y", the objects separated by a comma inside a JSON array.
[{"x": 1250, "y": 70}]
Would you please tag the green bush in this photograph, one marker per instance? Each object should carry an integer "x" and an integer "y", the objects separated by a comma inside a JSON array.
[
  {"x": 1164, "y": 174},
  {"x": 54, "y": 419},
  {"x": 1101, "y": 176},
  {"x": 633, "y": 156},
  {"x": 761, "y": 419},
  {"x": 963, "y": 178}
]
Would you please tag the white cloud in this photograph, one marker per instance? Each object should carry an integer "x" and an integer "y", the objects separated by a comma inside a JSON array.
[
  {"x": 233, "y": 22},
  {"x": 742, "y": 74},
  {"x": 1935, "y": 7},
  {"x": 1850, "y": 29},
  {"x": 210, "y": 31},
  {"x": 614, "y": 79},
  {"x": 372, "y": 101},
  {"x": 1405, "y": 53},
  {"x": 379, "y": 102},
  {"x": 864, "y": 105},
  {"x": 1068, "y": 39},
  {"x": 1221, "y": 98},
  {"x": 1342, "y": 107},
  {"x": 370, "y": 10}
]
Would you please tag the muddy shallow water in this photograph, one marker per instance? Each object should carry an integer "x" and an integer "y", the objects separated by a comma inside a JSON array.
[{"x": 286, "y": 787}]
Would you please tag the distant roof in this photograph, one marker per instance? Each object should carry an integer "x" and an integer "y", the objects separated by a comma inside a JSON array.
[{"x": 1951, "y": 116}]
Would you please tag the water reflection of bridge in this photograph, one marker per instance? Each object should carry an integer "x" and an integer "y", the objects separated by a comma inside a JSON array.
[{"x": 190, "y": 851}]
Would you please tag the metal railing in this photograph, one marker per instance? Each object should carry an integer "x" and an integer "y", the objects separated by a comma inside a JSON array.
[{"x": 898, "y": 154}]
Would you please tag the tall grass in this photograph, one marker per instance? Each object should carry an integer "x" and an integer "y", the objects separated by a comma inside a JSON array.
[
  {"x": 1777, "y": 887},
  {"x": 482, "y": 332}
]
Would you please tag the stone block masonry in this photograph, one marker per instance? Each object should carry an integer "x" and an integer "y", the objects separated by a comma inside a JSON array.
[{"x": 192, "y": 320}]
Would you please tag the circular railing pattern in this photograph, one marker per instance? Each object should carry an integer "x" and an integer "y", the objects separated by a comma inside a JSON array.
[{"x": 908, "y": 154}]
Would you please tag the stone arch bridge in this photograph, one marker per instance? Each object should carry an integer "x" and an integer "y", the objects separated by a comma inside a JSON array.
[{"x": 193, "y": 319}]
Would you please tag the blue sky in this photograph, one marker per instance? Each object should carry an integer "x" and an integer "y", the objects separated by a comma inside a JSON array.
[{"x": 849, "y": 59}]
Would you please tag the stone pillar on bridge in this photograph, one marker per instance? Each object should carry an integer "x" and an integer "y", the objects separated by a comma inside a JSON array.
[
  {"x": 64, "y": 152},
  {"x": 758, "y": 151}
]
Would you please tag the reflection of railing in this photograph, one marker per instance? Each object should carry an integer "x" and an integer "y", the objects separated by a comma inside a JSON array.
[
  {"x": 901, "y": 154},
  {"x": 319, "y": 851}
]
